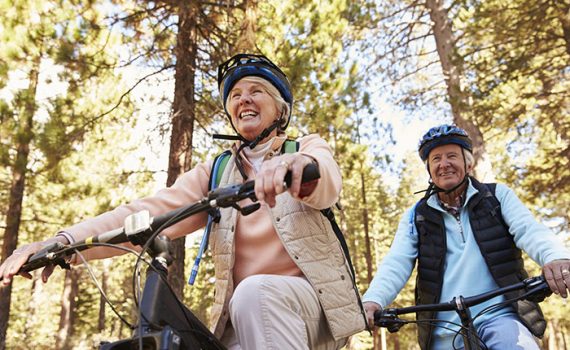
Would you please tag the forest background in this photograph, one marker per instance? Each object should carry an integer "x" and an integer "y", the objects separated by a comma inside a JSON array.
[{"x": 104, "y": 101}]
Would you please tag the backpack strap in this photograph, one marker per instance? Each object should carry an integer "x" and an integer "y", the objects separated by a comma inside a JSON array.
[
  {"x": 290, "y": 146},
  {"x": 218, "y": 168}
]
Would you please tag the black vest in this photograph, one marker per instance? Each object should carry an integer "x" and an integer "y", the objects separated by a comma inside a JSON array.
[{"x": 496, "y": 244}]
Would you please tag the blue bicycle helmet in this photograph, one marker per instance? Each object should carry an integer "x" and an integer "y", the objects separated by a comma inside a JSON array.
[
  {"x": 443, "y": 135},
  {"x": 242, "y": 65}
]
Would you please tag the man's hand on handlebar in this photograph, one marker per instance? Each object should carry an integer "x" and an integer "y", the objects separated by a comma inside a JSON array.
[
  {"x": 370, "y": 308},
  {"x": 269, "y": 181},
  {"x": 557, "y": 275},
  {"x": 14, "y": 262}
]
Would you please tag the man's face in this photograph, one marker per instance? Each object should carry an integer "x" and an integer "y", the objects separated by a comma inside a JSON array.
[{"x": 447, "y": 166}]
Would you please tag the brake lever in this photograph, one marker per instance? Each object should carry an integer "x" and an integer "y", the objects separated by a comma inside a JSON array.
[
  {"x": 228, "y": 196},
  {"x": 247, "y": 209},
  {"x": 388, "y": 319},
  {"x": 537, "y": 288},
  {"x": 250, "y": 209},
  {"x": 50, "y": 255}
]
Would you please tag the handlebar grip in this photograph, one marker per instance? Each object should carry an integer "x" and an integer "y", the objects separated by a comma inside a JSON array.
[
  {"x": 387, "y": 318},
  {"x": 310, "y": 173}
]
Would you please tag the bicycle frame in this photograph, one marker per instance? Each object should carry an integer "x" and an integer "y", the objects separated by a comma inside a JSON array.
[
  {"x": 536, "y": 287},
  {"x": 161, "y": 311}
]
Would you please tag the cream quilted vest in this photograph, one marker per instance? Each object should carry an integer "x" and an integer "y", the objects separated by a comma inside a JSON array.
[{"x": 310, "y": 241}]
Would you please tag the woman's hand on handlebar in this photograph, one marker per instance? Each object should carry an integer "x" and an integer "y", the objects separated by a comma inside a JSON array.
[
  {"x": 371, "y": 307},
  {"x": 11, "y": 266},
  {"x": 557, "y": 275},
  {"x": 270, "y": 178}
]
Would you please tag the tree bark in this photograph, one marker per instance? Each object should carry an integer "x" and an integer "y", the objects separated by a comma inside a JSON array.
[
  {"x": 452, "y": 72},
  {"x": 67, "y": 314},
  {"x": 183, "y": 114},
  {"x": 35, "y": 299},
  {"x": 17, "y": 188},
  {"x": 366, "y": 224},
  {"x": 101, "y": 319}
]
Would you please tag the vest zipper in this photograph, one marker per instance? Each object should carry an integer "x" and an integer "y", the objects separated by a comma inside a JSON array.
[{"x": 460, "y": 229}]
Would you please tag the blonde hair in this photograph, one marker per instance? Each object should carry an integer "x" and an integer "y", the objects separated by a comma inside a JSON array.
[{"x": 282, "y": 106}]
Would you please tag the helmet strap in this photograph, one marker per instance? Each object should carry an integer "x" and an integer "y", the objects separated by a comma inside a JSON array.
[
  {"x": 252, "y": 144},
  {"x": 226, "y": 137}
]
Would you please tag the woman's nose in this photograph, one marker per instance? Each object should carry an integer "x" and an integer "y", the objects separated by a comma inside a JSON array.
[{"x": 245, "y": 98}]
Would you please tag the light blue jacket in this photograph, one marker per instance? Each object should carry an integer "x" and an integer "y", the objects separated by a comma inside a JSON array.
[{"x": 465, "y": 271}]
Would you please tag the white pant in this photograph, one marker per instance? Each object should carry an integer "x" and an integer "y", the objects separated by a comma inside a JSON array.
[{"x": 277, "y": 312}]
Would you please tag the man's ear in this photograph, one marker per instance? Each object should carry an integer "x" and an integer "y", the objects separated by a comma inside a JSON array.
[{"x": 469, "y": 169}]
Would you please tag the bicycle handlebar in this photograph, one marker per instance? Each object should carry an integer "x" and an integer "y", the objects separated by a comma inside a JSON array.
[
  {"x": 536, "y": 290},
  {"x": 138, "y": 228}
]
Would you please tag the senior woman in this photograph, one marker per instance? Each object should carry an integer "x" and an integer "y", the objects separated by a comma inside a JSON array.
[{"x": 282, "y": 280}]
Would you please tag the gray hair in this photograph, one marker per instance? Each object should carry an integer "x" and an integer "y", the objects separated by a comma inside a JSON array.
[{"x": 469, "y": 160}]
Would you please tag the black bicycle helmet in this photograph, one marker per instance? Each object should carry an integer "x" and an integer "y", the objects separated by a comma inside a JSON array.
[
  {"x": 242, "y": 65},
  {"x": 443, "y": 135}
]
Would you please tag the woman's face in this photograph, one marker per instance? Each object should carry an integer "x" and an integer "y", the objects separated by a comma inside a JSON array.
[{"x": 251, "y": 108}]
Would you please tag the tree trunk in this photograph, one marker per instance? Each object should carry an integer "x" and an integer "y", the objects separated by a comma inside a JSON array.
[
  {"x": 101, "y": 319},
  {"x": 367, "y": 245},
  {"x": 35, "y": 299},
  {"x": 67, "y": 314},
  {"x": 17, "y": 188},
  {"x": 452, "y": 72},
  {"x": 183, "y": 113},
  {"x": 366, "y": 224}
]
